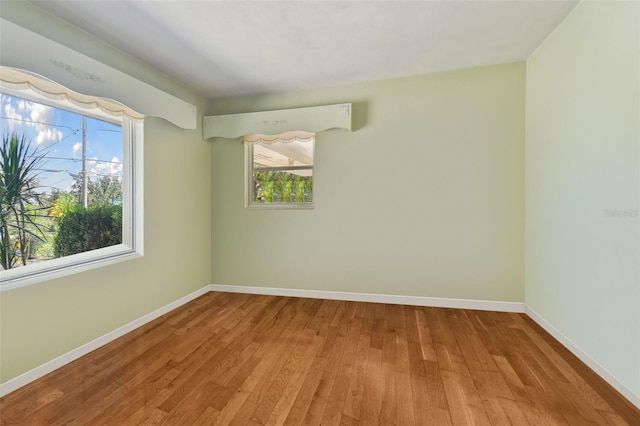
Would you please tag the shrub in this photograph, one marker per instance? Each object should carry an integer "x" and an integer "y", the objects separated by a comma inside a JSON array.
[{"x": 88, "y": 229}]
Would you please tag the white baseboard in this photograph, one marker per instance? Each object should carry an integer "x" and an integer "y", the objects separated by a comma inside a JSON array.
[
  {"x": 584, "y": 357},
  {"x": 480, "y": 305},
  {"x": 46, "y": 368}
]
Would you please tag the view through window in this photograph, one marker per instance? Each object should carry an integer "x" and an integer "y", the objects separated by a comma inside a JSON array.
[
  {"x": 61, "y": 182},
  {"x": 281, "y": 173}
]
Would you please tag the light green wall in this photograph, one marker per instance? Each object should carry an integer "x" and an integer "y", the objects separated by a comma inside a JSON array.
[
  {"x": 424, "y": 198},
  {"x": 582, "y": 265},
  {"x": 40, "y": 322}
]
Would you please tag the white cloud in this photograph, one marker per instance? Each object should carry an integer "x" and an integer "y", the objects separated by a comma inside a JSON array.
[
  {"x": 10, "y": 112},
  {"x": 112, "y": 168},
  {"x": 77, "y": 147},
  {"x": 22, "y": 105},
  {"x": 48, "y": 135},
  {"x": 40, "y": 114},
  {"x": 31, "y": 114}
]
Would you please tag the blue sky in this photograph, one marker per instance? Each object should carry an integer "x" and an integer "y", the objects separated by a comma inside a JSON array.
[{"x": 58, "y": 133}]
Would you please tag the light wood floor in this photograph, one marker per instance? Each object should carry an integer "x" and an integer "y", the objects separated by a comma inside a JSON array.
[{"x": 254, "y": 360}]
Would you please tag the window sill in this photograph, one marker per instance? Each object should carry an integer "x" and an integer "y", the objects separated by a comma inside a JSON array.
[
  {"x": 281, "y": 206},
  {"x": 57, "y": 268}
]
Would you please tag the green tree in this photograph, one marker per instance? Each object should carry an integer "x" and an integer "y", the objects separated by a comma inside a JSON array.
[
  {"x": 280, "y": 186},
  {"x": 20, "y": 203},
  {"x": 106, "y": 190},
  {"x": 300, "y": 190}
]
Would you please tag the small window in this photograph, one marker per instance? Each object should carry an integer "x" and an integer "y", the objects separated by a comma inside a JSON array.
[
  {"x": 71, "y": 180},
  {"x": 280, "y": 171}
]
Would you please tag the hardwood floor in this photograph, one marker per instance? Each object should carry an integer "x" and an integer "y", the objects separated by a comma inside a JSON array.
[{"x": 234, "y": 359}]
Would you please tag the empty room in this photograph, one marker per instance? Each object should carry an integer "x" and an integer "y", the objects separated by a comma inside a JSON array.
[{"x": 320, "y": 212}]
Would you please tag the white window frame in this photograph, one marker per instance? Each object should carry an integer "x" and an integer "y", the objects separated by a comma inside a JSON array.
[
  {"x": 249, "y": 185},
  {"x": 132, "y": 206}
]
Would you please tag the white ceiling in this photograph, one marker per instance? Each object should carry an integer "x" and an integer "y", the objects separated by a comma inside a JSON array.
[{"x": 234, "y": 48}]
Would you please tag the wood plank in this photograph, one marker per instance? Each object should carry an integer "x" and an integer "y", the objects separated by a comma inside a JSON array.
[
  {"x": 234, "y": 359},
  {"x": 334, "y": 405}
]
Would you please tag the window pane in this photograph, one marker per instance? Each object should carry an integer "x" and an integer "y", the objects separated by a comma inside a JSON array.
[
  {"x": 70, "y": 201},
  {"x": 282, "y": 154},
  {"x": 294, "y": 186}
]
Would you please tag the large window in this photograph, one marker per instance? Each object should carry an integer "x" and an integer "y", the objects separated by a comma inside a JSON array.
[
  {"x": 70, "y": 187},
  {"x": 280, "y": 172}
]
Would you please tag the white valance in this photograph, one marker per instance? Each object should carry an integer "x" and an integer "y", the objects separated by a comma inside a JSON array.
[
  {"x": 19, "y": 80},
  {"x": 286, "y": 137},
  {"x": 23, "y": 49},
  {"x": 286, "y": 121}
]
